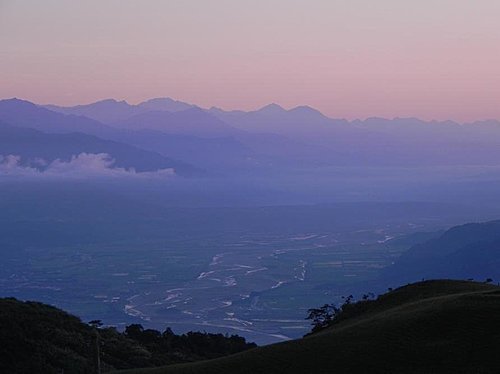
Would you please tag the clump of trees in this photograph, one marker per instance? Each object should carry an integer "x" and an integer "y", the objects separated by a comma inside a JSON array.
[
  {"x": 167, "y": 347},
  {"x": 329, "y": 314}
]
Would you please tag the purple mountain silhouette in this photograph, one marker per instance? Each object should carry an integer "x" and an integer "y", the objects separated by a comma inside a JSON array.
[
  {"x": 165, "y": 104},
  {"x": 272, "y": 118},
  {"x": 271, "y": 136},
  {"x": 26, "y": 114},
  {"x": 32, "y": 145},
  {"x": 111, "y": 110},
  {"x": 104, "y": 111},
  {"x": 193, "y": 121}
]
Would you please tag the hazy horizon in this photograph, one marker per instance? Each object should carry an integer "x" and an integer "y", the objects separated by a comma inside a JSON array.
[
  {"x": 430, "y": 60},
  {"x": 255, "y": 109}
]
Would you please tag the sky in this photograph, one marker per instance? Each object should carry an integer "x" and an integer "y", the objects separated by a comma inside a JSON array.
[{"x": 432, "y": 59}]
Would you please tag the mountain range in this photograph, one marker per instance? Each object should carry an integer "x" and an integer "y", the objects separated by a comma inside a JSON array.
[{"x": 268, "y": 139}]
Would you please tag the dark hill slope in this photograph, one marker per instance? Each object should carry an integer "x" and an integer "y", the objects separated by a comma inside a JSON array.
[
  {"x": 428, "y": 327},
  {"x": 38, "y": 338},
  {"x": 467, "y": 251}
]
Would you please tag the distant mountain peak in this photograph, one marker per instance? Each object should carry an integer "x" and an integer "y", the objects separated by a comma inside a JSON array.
[
  {"x": 165, "y": 104},
  {"x": 16, "y": 101},
  {"x": 306, "y": 109},
  {"x": 271, "y": 108},
  {"x": 107, "y": 102},
  {"x": 160, "y": 99}
]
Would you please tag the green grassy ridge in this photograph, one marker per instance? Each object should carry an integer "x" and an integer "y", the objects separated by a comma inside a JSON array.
[{"x": 428, "y": 327}]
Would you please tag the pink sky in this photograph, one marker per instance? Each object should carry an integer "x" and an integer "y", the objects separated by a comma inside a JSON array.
[{"x": 433, "y": 59}]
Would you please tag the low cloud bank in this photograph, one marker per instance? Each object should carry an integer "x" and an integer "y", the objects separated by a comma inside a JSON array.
[{"x": 84, "y": 165}]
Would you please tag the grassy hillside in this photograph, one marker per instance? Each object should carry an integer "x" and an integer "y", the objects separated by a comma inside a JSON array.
[{"x": 428, "y": 327}]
